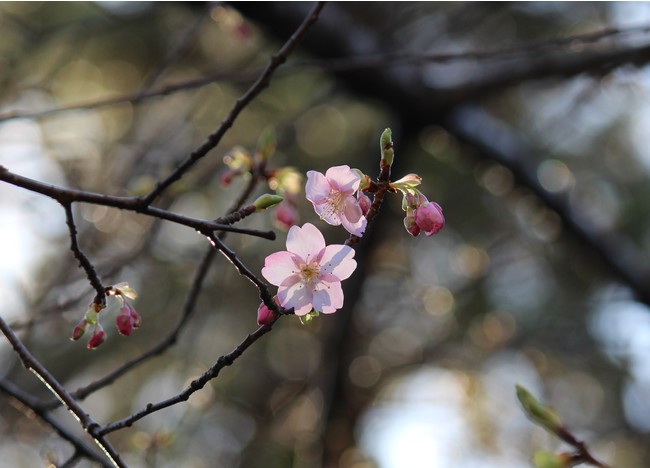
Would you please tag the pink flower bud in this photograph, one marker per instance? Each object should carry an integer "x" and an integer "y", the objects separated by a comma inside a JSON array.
[
  {"x": 364, "y": 202},
  {"x": 226, "y": 177},
  {"x": 127, "y": 320},
  {"x": 265, "y": 316},
  {"x": 124, "y": 323},
  {"x": 79, "y": 330},
  {"x": 409, "y": 223},
  {"x": 286, "y": 215},
  {"x": 137, "y": 320},
  {"x": 429, "y": 218},
  {"x": 97, "y": 339}
]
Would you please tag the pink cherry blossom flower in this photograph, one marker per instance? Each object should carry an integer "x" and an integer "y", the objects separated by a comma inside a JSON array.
[
  {"x": 429, "y": 218},
  {"x": 309, "y": 273},
  {"x": 332, "y": 195}
]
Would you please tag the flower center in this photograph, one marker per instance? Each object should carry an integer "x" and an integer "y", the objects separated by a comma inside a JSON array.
[
  {"x": 309, "y": 271},
  {"x": 334, "y": 203}
]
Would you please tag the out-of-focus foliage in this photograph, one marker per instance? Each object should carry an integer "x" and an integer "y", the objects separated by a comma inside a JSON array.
[{"x": 420, "y": 367}]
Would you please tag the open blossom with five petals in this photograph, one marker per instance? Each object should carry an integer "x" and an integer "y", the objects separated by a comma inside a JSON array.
[
  {"x": 333, "y": 198},
  {"x": 309, "y": 273}
]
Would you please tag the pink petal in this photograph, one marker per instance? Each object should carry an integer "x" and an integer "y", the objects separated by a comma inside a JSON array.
[
  {"x": 357, "y": 228},
  {"x": 306, "y": 242},
  {"x": 296, "y": 295},
  {"x": 337, "y": 260},
  {"x": 343, "y": 179},
  {"x": 279, "y": 266},
  {"x": 352, "y": 209},
  {"x": 317, "y": 187},
  {"x": 328, "y": 299}
]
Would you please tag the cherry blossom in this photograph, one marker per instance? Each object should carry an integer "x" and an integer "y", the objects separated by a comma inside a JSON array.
[
  {"x": 333, "y": 198},
  {"x": 309, "y": 273}
]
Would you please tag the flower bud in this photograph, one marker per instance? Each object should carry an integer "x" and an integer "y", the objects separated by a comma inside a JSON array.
[
  {"x": 266, "y": 144},
  {"x": 386, "y": 144},
  {"x": 285, "y": 215},
  {"x": 266, "y": 201},
  {"x": 98, "y": 337},
  {"x": 265, "y": 316},
  {"x": 429, "y": 218},
  {"x": 538, "y": 412},
  {"x": 543, "y": 459},
  {"x": 364, "y": 202},
  {"x": 409, "y": 223},
  {"x": 124, "y": 324},
  {"x": 79, "y": 330},
  {"x": 137, "y": 320}
]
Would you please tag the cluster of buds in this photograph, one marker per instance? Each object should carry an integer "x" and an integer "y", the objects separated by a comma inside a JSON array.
[
  {"x": 127, "y": 320},
  {"x": 422, "y": 215},
  {"x": 286, "y": 181}
]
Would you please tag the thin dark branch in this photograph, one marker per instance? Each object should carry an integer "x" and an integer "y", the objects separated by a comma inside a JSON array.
[
  {"x": 262, "y": 82},
  {"x": 84, "y": 262},
  {"x": 59, "y": 391},
  {"x": 35, "y": 406},
  {"x": 67, "y": 196},
  {"x": 195, "y": 385},
  {"x": 242, "y": 269}
]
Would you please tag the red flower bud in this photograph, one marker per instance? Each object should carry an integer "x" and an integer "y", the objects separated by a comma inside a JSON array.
[
  {"x": 97, "y": 339},
  {"x": 265, "y": 316},
  {"x": 79, "y": 330}
]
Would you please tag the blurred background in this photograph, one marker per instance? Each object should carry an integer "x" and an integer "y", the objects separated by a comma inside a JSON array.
[{"x": 535, "y": 146}]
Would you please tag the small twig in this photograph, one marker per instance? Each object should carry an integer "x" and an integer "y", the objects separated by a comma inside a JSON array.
[
  {"x": 582, "y": 454},
  {"x": 262, "y": 82},
  {"x": 84, "y": 262},
  {"x": 59, "y": 391},
  {"x": 242, "y": 269}
]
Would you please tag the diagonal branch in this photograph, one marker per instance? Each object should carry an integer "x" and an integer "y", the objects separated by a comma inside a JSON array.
[
  {"x": 59, "y": 391},
  {"x": 35, "y": 407},
  {"x": 262, "y": 82}
]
